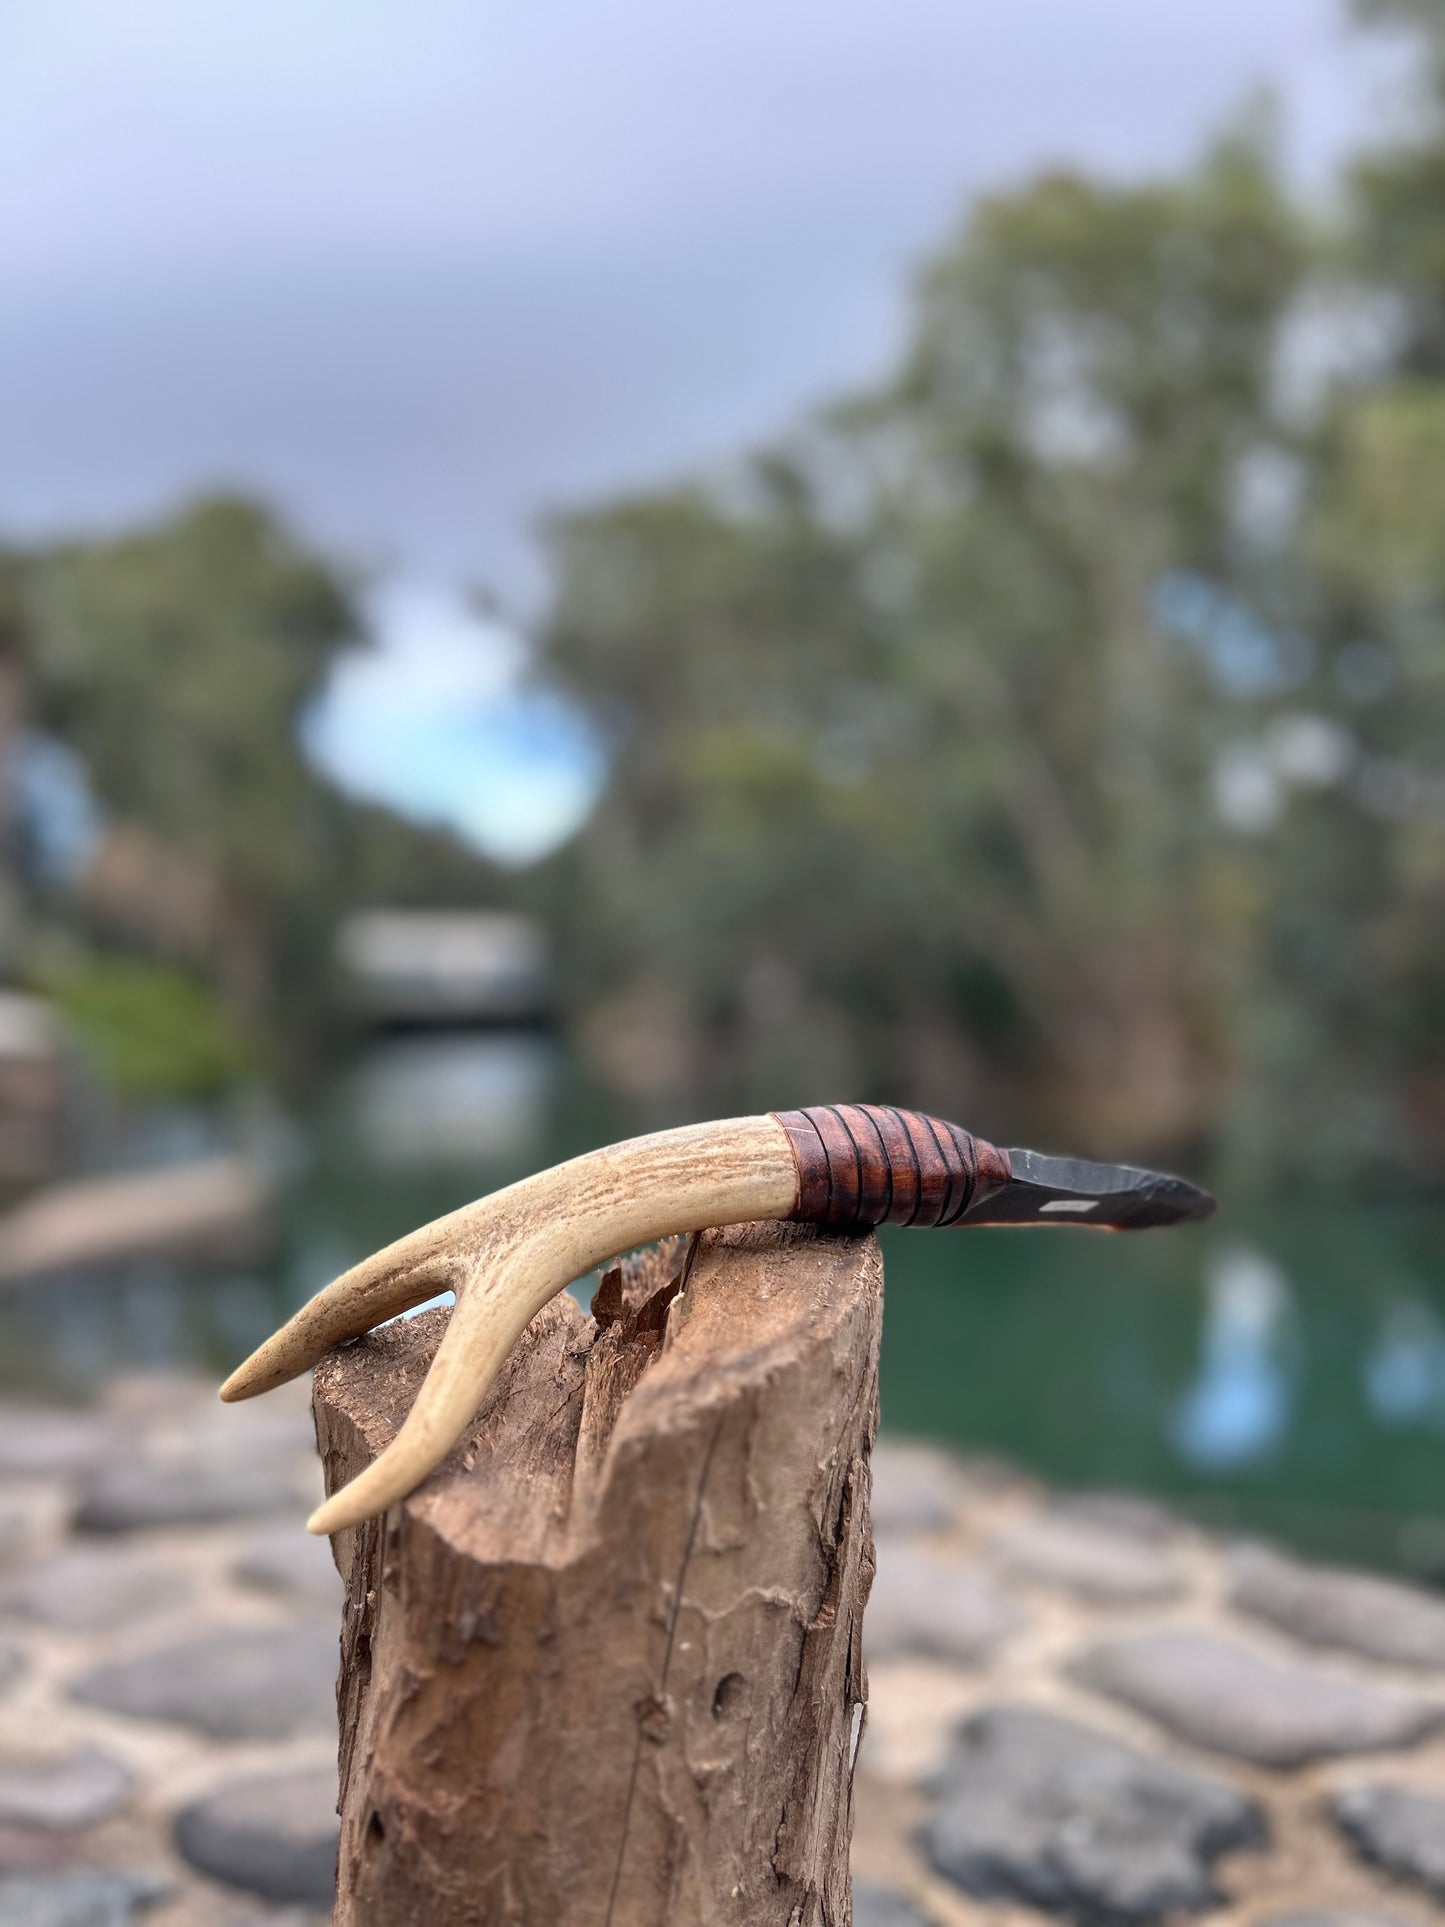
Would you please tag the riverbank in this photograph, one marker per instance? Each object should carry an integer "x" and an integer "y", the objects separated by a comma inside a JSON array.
[{"x": 1080, "y": 1705}]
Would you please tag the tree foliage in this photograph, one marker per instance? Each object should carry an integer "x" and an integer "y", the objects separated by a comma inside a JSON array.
[
  {"x": 1053, "y": 734},
  {"x": 178, "y": 662}
]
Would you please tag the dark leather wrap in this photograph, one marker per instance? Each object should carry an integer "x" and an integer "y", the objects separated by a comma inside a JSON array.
[{"x": 867, "y": 1164}]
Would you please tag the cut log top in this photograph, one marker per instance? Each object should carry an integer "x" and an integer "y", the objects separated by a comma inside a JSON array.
[{"x": 604, "y": 1666}]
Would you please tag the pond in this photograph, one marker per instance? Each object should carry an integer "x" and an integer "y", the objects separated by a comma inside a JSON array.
[{"x": 1279, "y": 1370}]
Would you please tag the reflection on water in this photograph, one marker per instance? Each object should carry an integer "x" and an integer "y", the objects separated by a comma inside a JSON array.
[
  {"x": 1263, "y": 1369},
  {"x": 1279, "y": 1369},
  {"x": 1405, "y": 1367},
  {"x": 447, "y": 1100},
  {"x": 1238, "y": 1405}
]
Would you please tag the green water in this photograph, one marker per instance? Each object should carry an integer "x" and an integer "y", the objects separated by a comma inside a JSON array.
[{"x": 1279, "y": 1370}]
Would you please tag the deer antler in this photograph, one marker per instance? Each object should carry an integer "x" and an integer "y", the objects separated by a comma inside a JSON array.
[{"x": 505, "y": 1256}]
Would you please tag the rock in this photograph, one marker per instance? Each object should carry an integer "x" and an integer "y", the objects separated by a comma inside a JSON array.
[
  {"x": 923, "y": 1604},
  {"x": 1379, "y": 1618},
  {"x": 208, "y": 1209},
  {"x": 984, "y": 1476},
  {"x": 288, "y": 1560},
  {"x": 881, "y": 1907},
  {"x": 914, "y": 1488},
  {"x": 178, "y": 1412},
  {"x": 1397, "y": 1828},
  {"x": 234, "y": 1686},
  {"x": 72, "y": 1791},
  {"x": 1248, "y": 1704},
  {"x": 75, "y": 1899},
  {"x": 204, "y": 1489},
  {"x": 274, "y": 1836},
  {"x": 45, "y": 1441},
  {"x": 15, "y": 1529},
  {"x": 1123, "y": 1514},
  {"x": 1083, "y": 1556},
  {"x": 1330, "y": 1917},
  {"x": 1040, "y": 1810},
  {"x": 35, "y": 1850},
  {"x": 90, "y": 1588},
  {"x": 12, "y": 1664}
]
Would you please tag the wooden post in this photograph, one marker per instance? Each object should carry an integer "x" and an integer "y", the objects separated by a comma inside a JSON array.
[{"x": 604, "y": 1668}]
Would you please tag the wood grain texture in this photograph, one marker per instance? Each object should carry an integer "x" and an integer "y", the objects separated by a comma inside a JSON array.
[{"x": 605, "y": 1667}]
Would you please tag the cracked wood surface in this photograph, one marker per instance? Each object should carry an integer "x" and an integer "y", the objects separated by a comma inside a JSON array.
[{"x": 605, "y": 1667}]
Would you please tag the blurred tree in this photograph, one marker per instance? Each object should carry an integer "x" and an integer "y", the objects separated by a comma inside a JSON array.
[
  {"x": 907, "y": 788},
  {"x": 178, "y": 662},
  {"x": 1342, "y": 1034},
  {"x": 1400, "y": 192},
  {"x": 1046, "y": 735}
]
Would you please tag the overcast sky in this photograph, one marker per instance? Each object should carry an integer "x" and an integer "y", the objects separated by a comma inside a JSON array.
[{"x": 419, "y": 270}]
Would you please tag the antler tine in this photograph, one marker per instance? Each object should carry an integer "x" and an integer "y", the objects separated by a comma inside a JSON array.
[
  {"x": 404, "y": 1274},
  {"x": 492, "y": 1311},
  {"x": 506, "y": 1256}
]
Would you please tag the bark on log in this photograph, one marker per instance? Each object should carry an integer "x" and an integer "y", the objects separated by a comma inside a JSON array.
[{"x": 604, "y": 1669}]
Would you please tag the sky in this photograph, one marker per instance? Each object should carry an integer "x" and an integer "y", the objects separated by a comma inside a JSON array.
[
  {"x": 436, "y": 717},
  {"x": 422, "y": 273}
]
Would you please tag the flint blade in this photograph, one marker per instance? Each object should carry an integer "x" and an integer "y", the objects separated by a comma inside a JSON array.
[{"x": 1112, "y": 1197}]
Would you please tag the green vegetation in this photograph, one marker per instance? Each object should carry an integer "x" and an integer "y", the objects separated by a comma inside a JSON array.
[
  {"x": 150, "y": 1031},
  {"x": 1055, "y": 733}
]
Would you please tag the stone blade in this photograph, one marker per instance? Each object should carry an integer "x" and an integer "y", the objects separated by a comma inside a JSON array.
[{"x": 1111, "y": 1197}]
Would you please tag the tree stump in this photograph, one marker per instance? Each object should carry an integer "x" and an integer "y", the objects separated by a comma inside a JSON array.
[{"x": 604, "y": 1668}]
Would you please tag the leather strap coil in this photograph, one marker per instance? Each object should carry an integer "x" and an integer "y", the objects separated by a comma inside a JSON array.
[{"x": 865, "y": 1164}]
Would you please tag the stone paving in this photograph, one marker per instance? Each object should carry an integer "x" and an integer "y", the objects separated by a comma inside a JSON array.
[
  {"x": 1082, "y": 1709},
  {"x": 167, "y": 1715}
]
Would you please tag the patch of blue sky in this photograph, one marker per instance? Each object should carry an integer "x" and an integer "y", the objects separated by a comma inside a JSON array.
[
  {"x": 59, "y": 818},
  {"x": 1246, "y": 656},
  {"x": 436, "y": 719}
]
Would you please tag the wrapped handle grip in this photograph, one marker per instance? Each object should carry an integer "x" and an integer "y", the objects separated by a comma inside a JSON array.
[{"x": 866, "y": 1164}]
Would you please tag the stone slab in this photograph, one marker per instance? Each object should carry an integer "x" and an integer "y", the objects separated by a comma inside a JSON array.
[
  {"x": 12, "y": 1664},
  {"x": 915, "y": 1487},
  {"x": 1327, "y": 1606},
  {"x": 15, "y": 1529},
  {"x": 76, "y": 1899},
  {"x": 1397, "y": 1828},
  {"x": 1249, "y": 1704},
  {"x": 882, "y": 1907},
  {"x": 61, "y": 1793},
  {"x": 287, "y": 1559},
  {"x": 43, "y": 1441},
  {"x": 1331, "y": 1917},
  {"x": 233, "y": 1686},
  {"x": 89, "y": 1588},
  {"x": 270, "y": 1835},
  {"x": 1123, "y": 1514},
  {"x": 1043, "y": 1811},
  {"x": 924, "y": 1604},
  {"x": 1081, "y": 1555},
  {"x": 138, "y": 1494}
]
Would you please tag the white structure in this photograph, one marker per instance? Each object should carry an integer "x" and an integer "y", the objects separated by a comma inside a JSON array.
[{"x": 441, "y": 966}]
